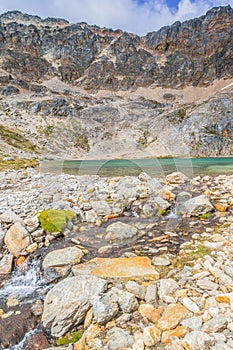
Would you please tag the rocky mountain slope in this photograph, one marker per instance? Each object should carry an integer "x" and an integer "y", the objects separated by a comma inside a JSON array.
[{"x": 80, "y": 91}]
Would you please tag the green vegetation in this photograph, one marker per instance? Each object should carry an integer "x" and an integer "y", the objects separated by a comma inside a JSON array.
[
  {"x": 69, "y": 338},
  {"x": 15, "y": 163},
  {"x": 205, "y": 216},
  {"x": 190, "y": 256},
  {"x": 162, "y": 212},
  {"x": 16, "y": 139},
  {"x": 82, "y": 142},
  {"x": 52, "y": 220}
]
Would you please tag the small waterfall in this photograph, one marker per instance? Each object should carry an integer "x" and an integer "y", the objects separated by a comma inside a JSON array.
[
  {"x": 21, "y": 345},
  {"x": 173, "y": 213},
  {"x": 24, "y": 281}
]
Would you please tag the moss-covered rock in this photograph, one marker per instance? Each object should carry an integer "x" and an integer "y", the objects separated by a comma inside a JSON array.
[
  {"x": 52, "y": 220},
  {"x": 69, "y": 338}
]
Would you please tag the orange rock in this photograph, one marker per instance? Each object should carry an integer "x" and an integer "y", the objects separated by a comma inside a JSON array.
[
  {"x": 172, "y": 316},
  {"x": 222, "y": 207},
  {"x": 179, "y": 332},
  {"x": 110, "y": 216},
  {"x": 20, "y": 261},
  {"x": 149, "y": 312},
  {"x": 157, "y": 239},
  {"x": 224, "y": 298},
  {"x": 139, "y": 266}
]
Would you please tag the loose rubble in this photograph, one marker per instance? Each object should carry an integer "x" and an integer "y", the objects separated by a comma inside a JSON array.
[{"x": 134, "y": 268}]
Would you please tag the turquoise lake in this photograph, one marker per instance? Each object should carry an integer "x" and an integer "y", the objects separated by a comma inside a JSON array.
[{"x": 156, "y": 167}]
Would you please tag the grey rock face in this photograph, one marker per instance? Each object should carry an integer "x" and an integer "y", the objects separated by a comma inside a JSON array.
[{"x": 67, "y": 303}]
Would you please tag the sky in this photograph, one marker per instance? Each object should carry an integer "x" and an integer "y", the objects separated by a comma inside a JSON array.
[{"x": 136, "y": 16}]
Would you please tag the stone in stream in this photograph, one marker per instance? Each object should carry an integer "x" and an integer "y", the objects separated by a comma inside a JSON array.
[
  {"x": 196, "y": 206},
  {"x": 117, "y": 268},
  {"x": 62, "y": 257},
  {"x": 67, "y": 303},
  {"x": 6, "y": 264},
  {"x": 119, "y": 231},
  {"x": 17, "y": 239}
]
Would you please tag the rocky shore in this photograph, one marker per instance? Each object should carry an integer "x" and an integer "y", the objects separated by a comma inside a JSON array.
[{"x": 115, "y": 263}]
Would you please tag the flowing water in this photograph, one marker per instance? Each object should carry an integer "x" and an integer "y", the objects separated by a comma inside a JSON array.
[{"x": 24, "y": 282}]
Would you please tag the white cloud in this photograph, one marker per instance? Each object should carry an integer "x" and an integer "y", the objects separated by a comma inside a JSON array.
[{"x": 125, "y": 14}]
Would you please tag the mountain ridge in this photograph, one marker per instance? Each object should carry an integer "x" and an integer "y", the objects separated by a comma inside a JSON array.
[{"x": 95, "y": 92}]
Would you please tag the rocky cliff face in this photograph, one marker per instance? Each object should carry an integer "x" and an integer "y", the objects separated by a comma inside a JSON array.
[{"x": 81, "y": 89}]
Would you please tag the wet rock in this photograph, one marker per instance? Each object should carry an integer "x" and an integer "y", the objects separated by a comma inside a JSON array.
[
  {"x": 62, "y": 257},
  {"x": 6, "y": 264},
  {"x": 117, "y": 267},
  {"x": 196, "y": 206},
  {"x": 17, "y": 239},
  {"x": 61, "y": 312},
  {"x": 172, "y": 316},
  {"x": 37, "y": 342},
  {"x": 15, "y": 326},
  {"x": 119, "y": 339},
  {"x": 120, "y": 231}
]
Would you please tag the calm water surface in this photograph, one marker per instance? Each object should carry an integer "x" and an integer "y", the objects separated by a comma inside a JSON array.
[{"x": 154, "y": 167}]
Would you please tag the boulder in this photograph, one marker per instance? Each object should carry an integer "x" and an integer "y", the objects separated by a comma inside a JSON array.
[
  {"x": 119, "y": 231},
  {"x": 62, "y": 257},
  {"x": 196, "y": 206},
  {"x": 17, "y": 239},
  {"x": 67, "y": 303}
]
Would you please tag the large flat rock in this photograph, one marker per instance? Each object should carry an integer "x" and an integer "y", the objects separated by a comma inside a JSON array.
[{"x": 117, "y": 267}]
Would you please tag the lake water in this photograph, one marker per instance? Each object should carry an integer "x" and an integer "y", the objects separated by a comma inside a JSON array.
[{"x": 133, "y": 167}]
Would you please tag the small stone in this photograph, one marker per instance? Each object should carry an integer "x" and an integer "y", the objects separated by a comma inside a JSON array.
[
  {"x": 119, "y": 339},
  {"x": 190, "y": 305},
  {"x": 31, "y": 248},
  {"x": 151, "y": 335},
  {"x": 216, "y": 324},
  {"x": 151, "y": 313},
  {"x": 206, "y": 284},
  {"x": 105, "y": 309},
  {"x": 119, "y": 231},
  {"x": 62, "y": 257},
  {"x": 6, "y": 264},
  {"x": 135, "y": 288},
  {"x": 157, "y": 261},
  {"x": 179, "y": 332},
  {"x": 151, "y": 296},
  {"x": 172, "y": 316},
  {"x": 167, "y": 288},
  {"x": 194, "y": 323},
  {"x": 12, "y": 302},
  {"x": 197, "y": 340},
  {"x": 91, "y": 216}
]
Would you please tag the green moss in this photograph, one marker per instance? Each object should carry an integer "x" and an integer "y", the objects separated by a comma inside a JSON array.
[
  {"x": 162, "y": 212},
  {"x": 69, "y": 338},
  {"x": 52, "y": 220},
  {"x": 188, "y": 257},
  {"x": 16, "y": 139},
  {"x": 205, "y": 216}
]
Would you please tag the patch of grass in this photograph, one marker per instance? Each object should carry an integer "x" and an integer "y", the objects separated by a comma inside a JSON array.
[
  {"x": 17, "y": 163},
  {"x": 82, "y": 142},
  {"x": 16, "y": 139},
  {"x": 188, "y": 257},
  {"x": 52, "y": 220},
  {"x": 69, "y": 338}
]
